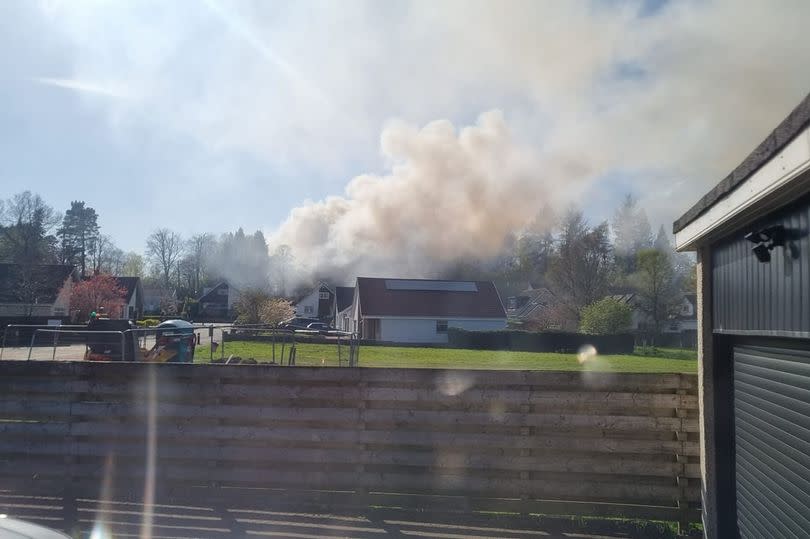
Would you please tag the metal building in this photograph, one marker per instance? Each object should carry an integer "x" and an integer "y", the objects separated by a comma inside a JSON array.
[{"x": 753, "y": 246}]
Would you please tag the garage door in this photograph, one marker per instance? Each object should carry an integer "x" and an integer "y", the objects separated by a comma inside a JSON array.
[{"x": 772, "y": 441}]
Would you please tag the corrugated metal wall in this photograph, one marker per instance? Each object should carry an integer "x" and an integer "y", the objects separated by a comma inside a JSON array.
[
  {"x": 751, "y": 297},
  {"x": 772, "y": 441}
]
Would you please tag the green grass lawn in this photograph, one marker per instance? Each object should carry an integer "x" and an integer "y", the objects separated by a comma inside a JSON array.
[{"x": 659, "y": 360}]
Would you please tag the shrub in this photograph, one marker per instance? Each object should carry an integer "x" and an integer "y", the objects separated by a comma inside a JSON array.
[
  {"x": 147, "y": 322},
  {"x": 255, "y": 306},
  {"x": 606, "y": 317}
]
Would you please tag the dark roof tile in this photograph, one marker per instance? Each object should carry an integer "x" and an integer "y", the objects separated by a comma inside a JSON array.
[
  {"x": 378, "y": 300},
  {"x": 345, "y": 296},
  {"x": 49, "y": 279}
]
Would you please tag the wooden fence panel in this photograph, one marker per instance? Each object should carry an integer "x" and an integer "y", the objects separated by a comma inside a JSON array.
[{"x": 573, "y": 443}]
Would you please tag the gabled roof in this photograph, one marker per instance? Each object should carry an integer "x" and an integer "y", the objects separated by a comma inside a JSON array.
[
  {"x": 130, "y": 285},
  {"x": 47, "y": 280},
  {"x": 344, "y": 296},
  {"x": 537, "y": 298},
  {"x": 428, "y": 298},
  {"x": 630, "y": 298},
  {"x": 315, "y": 288},
  {"x": 213, "y": 295}
]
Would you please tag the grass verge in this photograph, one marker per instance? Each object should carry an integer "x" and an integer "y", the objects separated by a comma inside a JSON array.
[{"x": 447, "y": 358}]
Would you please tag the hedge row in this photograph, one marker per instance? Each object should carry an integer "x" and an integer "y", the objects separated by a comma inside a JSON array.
[{"x": 527, "y": 341}]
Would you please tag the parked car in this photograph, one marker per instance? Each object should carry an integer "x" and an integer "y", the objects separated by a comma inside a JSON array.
[
  {"x": 298, "y": 323},
  {"x": 321, "y": 328}
]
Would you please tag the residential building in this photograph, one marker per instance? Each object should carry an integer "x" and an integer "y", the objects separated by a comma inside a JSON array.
[
  {"x": 680, "y": 329},
  {"x": 422, "y": 310},
  {"x": 41, "y": 290},
  {"x": 751, "y": 233},
  {"x": 159, "y": 300},
  {"x": 318, "y": 302},
  {"x": 132, "y": 309},
  {"x": 218, "y": 301},
  {"x": 539, "y": 309}
]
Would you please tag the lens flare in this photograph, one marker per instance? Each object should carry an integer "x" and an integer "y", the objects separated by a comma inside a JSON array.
[{"x": 586, "y": 354}]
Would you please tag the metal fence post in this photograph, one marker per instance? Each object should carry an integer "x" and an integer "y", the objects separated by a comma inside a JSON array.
[{"x": 31, "y": 346}]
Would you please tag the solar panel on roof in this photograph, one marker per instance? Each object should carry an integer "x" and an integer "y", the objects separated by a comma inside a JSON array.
[{"x": 438, "y": 286}]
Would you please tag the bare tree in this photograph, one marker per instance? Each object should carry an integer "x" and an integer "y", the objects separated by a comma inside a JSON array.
[
  {"x": 198, "y": 249},
  {"x": 281, "y": 263},
  {"x": 25, "y": 224},
  {"x": 582, "y": 265},
  {"x": 105, "y": 257},
  {"x": 165, "y": 247},
  {"x": 132, "y": 265}
]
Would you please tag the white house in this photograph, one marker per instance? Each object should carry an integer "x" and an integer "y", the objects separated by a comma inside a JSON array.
[
  {"x": 157, "y": 299},
  {"x": 132, "y": 308},
  {"x": 319, "y": 302},
  {"x": 421, "y": 310}
]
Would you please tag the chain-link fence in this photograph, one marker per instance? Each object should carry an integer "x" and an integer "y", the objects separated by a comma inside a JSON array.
[{"x": 198, "y": 343}]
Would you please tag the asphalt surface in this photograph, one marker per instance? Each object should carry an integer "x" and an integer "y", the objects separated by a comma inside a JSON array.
[{"x": 180, "y": 520}]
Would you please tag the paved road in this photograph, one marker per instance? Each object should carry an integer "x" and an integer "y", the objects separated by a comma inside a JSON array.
[
  {"x": 186, "y": 520},
  {"x": 66, "y": 353}
]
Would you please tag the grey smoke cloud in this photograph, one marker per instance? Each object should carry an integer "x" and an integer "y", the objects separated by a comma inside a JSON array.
[
  {"x": 448, "y": 194},
  {"x": 667, "y": 102}
]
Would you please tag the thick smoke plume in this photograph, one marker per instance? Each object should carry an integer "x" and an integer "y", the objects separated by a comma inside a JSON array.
[{"x": 449, "y": 195}]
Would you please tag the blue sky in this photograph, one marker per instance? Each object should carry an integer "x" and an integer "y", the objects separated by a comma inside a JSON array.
[{"x": 210, "y": 115}]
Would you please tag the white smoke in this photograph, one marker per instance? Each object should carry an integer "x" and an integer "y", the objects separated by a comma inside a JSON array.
[
  {"x": 666, "y": 100},
  {"x": 449, "y": 195}
]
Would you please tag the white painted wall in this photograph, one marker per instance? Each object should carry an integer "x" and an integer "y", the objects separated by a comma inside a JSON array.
[
  {"x": 343, "y": 321},
  {"x": 61, "y": 306},
  {"x": 311, "y": 301},
  {"x": 133, "y": 302},
  {"x": 423, "y": 330}
]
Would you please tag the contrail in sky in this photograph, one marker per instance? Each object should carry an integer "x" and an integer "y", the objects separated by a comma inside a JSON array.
[
  {"x": 238, "y": 26},
  {"x": 82, "y": 86}
]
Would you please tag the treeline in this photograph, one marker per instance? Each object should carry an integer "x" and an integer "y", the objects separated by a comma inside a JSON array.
[
  {"x": 579, "y": 262},
  {"x": 582, "y": 263},
  {"x": 34, "y": 233}
]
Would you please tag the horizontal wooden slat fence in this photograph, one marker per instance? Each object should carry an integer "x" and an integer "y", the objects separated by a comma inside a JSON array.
[{"x": 445, "y": 440}]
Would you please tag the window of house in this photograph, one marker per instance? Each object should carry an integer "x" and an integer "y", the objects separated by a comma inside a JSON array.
[
  {"x": 441, "y": 326},
  {"x": 222, "y": 291},
  {"x": 307, "y": 309},
  {"x": 324, "y": 295}
]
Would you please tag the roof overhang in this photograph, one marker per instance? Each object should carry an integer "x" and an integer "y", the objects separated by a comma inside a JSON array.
[
  {"x": 778, "y": 181},
  {"x": 772, "y": 175}
]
